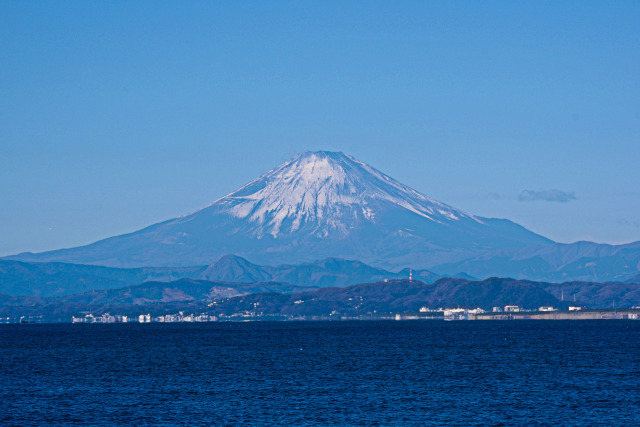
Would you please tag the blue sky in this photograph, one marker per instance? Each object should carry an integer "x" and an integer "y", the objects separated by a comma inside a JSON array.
[{"x": 116, "y": 115}]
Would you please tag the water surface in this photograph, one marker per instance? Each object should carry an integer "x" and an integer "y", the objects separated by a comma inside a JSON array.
[{"x": 318, "y": 373}]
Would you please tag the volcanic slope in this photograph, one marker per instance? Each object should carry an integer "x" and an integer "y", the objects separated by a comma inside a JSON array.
[{"x": 317, "y": 205}]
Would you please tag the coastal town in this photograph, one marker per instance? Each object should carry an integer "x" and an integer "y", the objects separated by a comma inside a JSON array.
[
  {"x": 144, "y": 318},
  {"x": 509, "y": 312}
]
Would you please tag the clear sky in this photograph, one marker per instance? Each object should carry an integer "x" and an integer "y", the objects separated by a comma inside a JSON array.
[{"x": 116, "y": 115}]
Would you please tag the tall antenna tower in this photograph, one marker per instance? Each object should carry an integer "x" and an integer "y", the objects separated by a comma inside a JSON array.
[{"x": 410, "y": 275}]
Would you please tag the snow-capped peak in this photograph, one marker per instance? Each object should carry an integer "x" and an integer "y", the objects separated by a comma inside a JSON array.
[{"x": 328, "y": 191}]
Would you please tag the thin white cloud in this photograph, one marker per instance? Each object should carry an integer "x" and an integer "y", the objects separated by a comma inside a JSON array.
[{"x": 547, "y": 196}]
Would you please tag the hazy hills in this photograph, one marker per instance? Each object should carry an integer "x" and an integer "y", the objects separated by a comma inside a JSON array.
[
  {"x": 393, "y": 297},
  {"x": 281, "y": 299},
  {"x": 155, "y": 296},
  {"x": 404, "y": 296},
  {"x": 584, "y": 261},
  {"x": 57, "y": 279}
]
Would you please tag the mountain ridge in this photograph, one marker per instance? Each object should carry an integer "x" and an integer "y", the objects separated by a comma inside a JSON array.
[
  {"x": 586, "y": 261},
  {"x": 59, "y": 279}
]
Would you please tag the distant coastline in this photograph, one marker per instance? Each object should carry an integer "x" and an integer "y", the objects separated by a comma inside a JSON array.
[{"x": 442, "y": 315}]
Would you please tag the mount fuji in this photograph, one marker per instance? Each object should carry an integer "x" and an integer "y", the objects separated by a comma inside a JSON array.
[{"x": 317, "y": 205}]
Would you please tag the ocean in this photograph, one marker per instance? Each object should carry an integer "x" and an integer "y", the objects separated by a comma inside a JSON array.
[{"x": 322, "y": 373}]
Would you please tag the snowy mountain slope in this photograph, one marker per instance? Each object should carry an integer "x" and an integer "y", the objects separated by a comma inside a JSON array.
[
  {"x": 317, "y": 205},
  {"x": 327, "y": 193}
]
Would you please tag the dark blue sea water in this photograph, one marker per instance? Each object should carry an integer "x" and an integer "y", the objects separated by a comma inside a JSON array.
[{"x": 322, "y": 373}]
